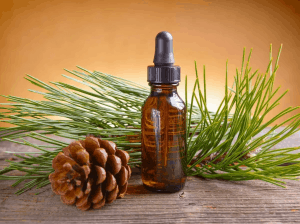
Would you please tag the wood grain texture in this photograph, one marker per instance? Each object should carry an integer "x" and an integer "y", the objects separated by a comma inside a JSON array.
[{"x": 201, "y": 201}]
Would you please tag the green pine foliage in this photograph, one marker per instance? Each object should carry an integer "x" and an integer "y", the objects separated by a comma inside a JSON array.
[{"x": 224, "y": 144}]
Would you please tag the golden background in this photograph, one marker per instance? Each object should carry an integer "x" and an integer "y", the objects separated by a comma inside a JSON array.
[{"x": 41, "y": 38}]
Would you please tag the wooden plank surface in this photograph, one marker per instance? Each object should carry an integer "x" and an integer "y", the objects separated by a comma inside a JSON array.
[{"x": 201, "y": 201}]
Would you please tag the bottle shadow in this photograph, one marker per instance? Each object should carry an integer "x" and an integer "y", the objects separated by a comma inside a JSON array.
[{"x": 138, "y": 189}]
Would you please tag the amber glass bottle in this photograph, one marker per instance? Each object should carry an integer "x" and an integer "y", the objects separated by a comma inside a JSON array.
[{"x": 163, "y": 123}]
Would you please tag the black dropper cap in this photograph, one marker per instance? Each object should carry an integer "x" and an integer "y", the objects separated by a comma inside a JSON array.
[{"x": 164, "y": 71}]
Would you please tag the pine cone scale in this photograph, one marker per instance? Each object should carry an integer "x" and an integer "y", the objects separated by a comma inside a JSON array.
[
  {"x": 114, "y": 164},
  {"x": 98, "y": 195},
  {"x": 60, "y": 160},
  {"x": 69, "y": 198},
  {"x": 122, "y": 176},
  {"x": 100, "y": 156},
  {"x": 110, "y": 182},
  {"x": 99, "y": 205},
  {"x": 112, "y": 195},
  {"x": 122, "y": 190},
  {"x": 101, "y": 174},
  {"x": 109, "y": 146},
  {"x": 124, "y": 156},
  {"x": 85, "y": 206}
]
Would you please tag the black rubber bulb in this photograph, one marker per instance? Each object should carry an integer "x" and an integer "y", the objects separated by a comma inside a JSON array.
[{"x": 163, "y": 49}]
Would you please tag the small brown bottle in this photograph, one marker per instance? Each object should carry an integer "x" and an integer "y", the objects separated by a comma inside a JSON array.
[{"x": 163, "y": 123}]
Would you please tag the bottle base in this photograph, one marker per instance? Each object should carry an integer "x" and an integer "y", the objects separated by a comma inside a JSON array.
[{"x": 168, "y": 189}]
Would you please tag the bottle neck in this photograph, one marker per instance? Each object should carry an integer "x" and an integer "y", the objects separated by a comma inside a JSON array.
[{"x": 165, "y": 89}]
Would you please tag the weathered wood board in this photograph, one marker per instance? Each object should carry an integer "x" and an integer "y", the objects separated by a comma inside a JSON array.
[{"x": 201, "y": 201}]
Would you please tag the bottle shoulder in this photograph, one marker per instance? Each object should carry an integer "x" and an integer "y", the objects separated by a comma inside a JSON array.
[{"x": 163, "y": 101}]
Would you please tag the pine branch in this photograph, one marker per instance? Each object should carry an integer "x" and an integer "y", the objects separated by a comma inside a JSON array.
[
  {"x": 233, "y": 150},
  {"x": 225, "y": 144}
]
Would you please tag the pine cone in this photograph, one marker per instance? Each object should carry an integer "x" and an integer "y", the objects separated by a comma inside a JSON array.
[{"x": 90, "y": 173}]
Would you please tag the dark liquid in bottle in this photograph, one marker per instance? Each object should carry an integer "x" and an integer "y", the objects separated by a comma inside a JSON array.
[{"x": 163, "y": 139}]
